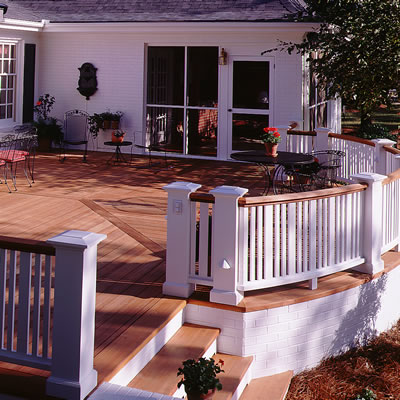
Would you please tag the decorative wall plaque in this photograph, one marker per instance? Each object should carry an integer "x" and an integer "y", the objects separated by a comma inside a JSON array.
[{"x": 87, "y": 84}]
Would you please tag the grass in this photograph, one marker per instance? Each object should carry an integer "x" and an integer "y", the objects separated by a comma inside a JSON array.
[
  {"x": 375, "y": 366},
  {"x": 389, "y": 117}
]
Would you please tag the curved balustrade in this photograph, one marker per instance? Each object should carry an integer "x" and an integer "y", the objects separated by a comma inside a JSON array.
[{"x": 241, "y": 243}]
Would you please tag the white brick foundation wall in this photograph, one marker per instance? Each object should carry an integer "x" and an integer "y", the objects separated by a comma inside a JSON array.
[{"x": 298, "y": 336}]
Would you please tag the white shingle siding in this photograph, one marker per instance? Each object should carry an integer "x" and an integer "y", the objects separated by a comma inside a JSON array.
[{"x": 299, "y": 336}]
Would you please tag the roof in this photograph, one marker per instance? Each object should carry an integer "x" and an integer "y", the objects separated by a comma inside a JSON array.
[{"x": 152, "y": 10}]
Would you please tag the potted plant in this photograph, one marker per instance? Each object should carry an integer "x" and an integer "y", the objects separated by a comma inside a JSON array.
[
  {"x": 115, "y": 119},
  {"x": 95, "y": 122},
  {"x": 49, "y": 129},
  {"x": 271, "y": 137},
  {"x": 117, "y": 136},
  {"x": 106, "y": 118},
  {"x": 200, "y": 377}
]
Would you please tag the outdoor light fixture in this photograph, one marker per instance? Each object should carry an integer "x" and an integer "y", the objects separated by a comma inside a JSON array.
[{"x": 223, "y": 57}]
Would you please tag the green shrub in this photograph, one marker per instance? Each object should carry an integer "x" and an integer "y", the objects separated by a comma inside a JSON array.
[
  {"x": 366, "y": 394},
  {"x": 377, "y": 131}
]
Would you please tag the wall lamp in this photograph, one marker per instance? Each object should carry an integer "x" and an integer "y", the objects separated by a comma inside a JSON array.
[{"x": 223, "y": 57}]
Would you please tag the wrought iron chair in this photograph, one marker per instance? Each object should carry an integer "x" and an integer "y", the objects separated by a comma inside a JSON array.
[
  {"x": 320, "y": 174},
  {"x": 12, "y": 155},
  {"x": 75, "y": 132},
  {"x": 27, "y": 143}
]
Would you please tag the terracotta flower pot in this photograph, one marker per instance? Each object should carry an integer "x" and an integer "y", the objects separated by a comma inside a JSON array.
[
  {"x": 200, "y": 396},
  {"x": 271, "y": 149},
  {"x": 114, "y": 124},
  {"x": 116, "y": 139},
  {"x": 106, "y": 124}
]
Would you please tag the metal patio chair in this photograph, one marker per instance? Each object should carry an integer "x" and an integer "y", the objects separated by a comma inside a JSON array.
[{"x": 75, "y": 132}]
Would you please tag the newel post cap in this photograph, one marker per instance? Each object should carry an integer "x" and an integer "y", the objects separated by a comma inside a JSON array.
[
  {"x": 182, "y": 186},
  {"x": 368, "y": 177},
  {"x": 77, "y": 239},
  {"x": 229, "y": 191}
]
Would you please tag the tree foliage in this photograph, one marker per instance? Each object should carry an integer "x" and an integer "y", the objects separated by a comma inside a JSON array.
[{"x": 358, "y": 42}]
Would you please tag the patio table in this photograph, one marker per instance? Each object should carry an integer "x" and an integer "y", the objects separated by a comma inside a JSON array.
[
  {"x": 286, "y": 159},
  {"x": 117, "y": 156}
]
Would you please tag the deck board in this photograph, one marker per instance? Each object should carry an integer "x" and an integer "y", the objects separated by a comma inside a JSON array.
[{"x": 129, "y": 205}]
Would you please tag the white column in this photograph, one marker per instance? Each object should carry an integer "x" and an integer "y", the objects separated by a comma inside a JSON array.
[
  {"x": 180, "y": 220},
  {"x": 372, "y": 217},
  {"x": 322, "y": 138},
  {"x": 224, "y": 253},
  {"x": 380, "y": 155},
  {"x": 72, "y": 373},
  {"x": 282, "y": 129}
]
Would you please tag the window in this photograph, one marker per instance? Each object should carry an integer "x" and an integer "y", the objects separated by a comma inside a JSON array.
[
  {"x": 182, "y": 99},
  {"x": 8, "y": 75},
  {"x": 317, "y": 103}
]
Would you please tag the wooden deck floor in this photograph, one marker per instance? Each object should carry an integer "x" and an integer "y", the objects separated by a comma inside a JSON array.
[{"x": 128, "y": 204}]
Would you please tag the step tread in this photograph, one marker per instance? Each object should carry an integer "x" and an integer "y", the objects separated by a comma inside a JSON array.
[
  {"x": 272, "y": 387},
  {"x": 160, "y": 374},
  {"x": 235, "y": 368},
  {"x": 135, "y": 337}
]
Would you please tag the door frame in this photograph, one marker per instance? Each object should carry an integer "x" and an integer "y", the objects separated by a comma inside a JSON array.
[{"x": 230, "y": 110}]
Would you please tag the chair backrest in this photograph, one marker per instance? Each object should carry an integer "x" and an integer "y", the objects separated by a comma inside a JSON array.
[{"x": 76, "y": 127}]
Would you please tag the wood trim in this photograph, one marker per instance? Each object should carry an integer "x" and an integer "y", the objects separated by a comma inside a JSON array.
[
  {"x": 352, "y": 139},
  {"x": 202, "y": 197},
  {"x": 302, "y": 196},
  {"x": 392, "y": 150},
  {"x": 301, "y": 133},
  {"x": 391, "y": 177},
  {"x": 27, "y": 245}
]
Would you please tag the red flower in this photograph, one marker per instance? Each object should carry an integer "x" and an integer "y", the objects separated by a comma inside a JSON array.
[
  {"x": 221, "y": 362},
  {"x": 270, "y": 129},
  {"x": 276, "y": 134},
  {"x": 39, "y": 103}
]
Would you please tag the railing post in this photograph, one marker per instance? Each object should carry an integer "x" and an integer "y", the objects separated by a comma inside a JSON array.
[
  {"x": 372, "y": 217},
  {"x": 322, "y": 138},
  {"x": 282, "y": 129},
  {"x": 224, "y": 253},
  {"x": 380, "y": 155},
  {"x": 72, "y": 373},
  {"x": 180, "y": 220}
]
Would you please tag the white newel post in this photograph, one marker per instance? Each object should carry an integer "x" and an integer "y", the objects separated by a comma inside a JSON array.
[
  {"x": 322, "y": 138},
  {"x": 372, "y": 217},
  {"x": 380, "y": 155},
  {"x": 224, "y": 259},
  {"x": 72, "y": 374},
  {"x": 180, "y": 218}
]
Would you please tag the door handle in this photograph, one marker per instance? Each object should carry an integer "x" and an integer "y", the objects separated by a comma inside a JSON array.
[{"x": 229, "y": 109}]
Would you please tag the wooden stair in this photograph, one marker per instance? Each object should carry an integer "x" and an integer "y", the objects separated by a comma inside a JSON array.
[
  {"x": 159, "y": 375},
  {"x": 273, "y": 387},
  {"x": 192, "y": 341}
]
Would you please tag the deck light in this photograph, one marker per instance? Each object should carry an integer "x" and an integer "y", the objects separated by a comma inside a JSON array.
[{"x": 223, "y": 57}]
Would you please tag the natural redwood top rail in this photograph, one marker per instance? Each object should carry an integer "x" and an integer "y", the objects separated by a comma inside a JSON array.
[
  {"x": 301, "y": 133},
  {"x": 392, "y": 150},
  {"x": 301, "y": 196},
  {"x": 352, "y": 139},
  {"x": 202, "y": 197},
  {"x": 27, "y": 245}
]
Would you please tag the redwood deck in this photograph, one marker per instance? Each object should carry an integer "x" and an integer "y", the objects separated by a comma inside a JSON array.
[{"x": 128, "y": 204}]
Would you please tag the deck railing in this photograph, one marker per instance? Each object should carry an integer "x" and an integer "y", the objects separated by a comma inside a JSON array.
[
  {"x": 47, "y": 306},
  {"x": 235, "y": 244}
]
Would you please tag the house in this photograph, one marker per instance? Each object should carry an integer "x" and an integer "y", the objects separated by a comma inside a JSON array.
[{"x": 189, "y": 75}]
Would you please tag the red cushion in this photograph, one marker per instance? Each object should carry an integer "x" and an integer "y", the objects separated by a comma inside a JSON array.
[{"x": 12, "y": 155}]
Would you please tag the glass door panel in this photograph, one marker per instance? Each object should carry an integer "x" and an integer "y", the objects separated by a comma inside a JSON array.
[
  {"x": 246, "y": 129},
  {"x": 251, "y": 103}
]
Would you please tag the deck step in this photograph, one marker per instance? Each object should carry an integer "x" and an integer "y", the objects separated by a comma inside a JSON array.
[
  {"x": 272, "y": 387},
  {"x": 159, "y": 375},
  {"x": 133, "y": 349},
  {"x": 235, "y": 378}
]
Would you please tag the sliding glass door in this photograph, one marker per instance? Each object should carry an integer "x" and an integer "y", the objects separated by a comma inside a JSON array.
[{"x": 182, "y": 99}]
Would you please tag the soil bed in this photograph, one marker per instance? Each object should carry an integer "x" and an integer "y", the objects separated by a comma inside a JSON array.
[{"x": 375, "y": 366}]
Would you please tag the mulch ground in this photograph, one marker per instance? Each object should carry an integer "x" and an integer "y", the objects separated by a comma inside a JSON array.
[{"x": 375, "y": 366}]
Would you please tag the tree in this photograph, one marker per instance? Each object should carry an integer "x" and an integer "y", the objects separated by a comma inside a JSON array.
[{"x": 358, "y": 46}]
